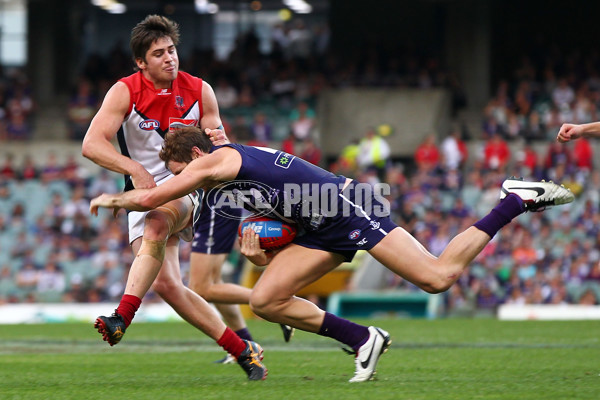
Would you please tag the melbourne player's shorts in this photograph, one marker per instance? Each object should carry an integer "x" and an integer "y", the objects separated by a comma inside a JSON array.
[
  {"x": 361, "y": 222},
  {"x": 214, "y": 232},
  {"x": 135, "y": 219}
]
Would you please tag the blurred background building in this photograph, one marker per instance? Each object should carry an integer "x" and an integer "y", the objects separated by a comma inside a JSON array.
[{"x": 463, "y": 93}]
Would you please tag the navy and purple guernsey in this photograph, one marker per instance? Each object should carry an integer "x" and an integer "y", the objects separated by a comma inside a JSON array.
[
  {"x": 282, "y": 186},
  {"x": 281, "y": 183}
]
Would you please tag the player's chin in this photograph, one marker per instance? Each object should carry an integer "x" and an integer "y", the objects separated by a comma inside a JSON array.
[{"x": 170, "y": 75}]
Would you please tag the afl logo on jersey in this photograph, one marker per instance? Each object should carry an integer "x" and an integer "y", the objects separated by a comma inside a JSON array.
[{"x": 149, "y": 125}]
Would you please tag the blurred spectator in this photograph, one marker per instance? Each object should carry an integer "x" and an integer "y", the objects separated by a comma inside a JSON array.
[
  {"x": 302, "y": 121},
  {"x": 557, "y": 154},
  {"x": 347, "y": 160},
  {"x": 17, "y": 128},
  {"x": 563, "y": 94},
  {"x": 301, "y": 41},
  {"x": 453, "y": 150},
  {"x": 27, "y": 276},
  {"x": 71, "y": 172},
  {"x": 373, "y": 153},
  {"x": 8, "y": 171},
  {"x": 51, "y": 278},
  {"x": 527, "y": 161},
  {"x": 51, "y": 170},
  {"x": 486, "y": 299},
  {"x": 583, "y": 154},
  {"x": 20, "y": 103},
  {"x": 427, "y": 155},
  {"x": 103, "y": 183},
  {"x": 288, "y": 144},
  {"x": 311, "y": 152},
  {"x": 280, "y": 41},
  {"x": 283, "y": 87},
  {"x": 76, "y": 205},
  {"x": 246, "y": 96},
  {"x": 261, "y": 128},
  {"x": 81, "y": 110},
  {"x": 226, "y": 94},
  {"x": 7, "y": 283},
  {"x": 84, "y": 232},
  {"x": 496, "y": 153},
  {"x": 588, "y": 298},
  {"x": 29, "y": 170},
  {"x": 240, "y": 129},
  {"x": 534, "y": 128}
]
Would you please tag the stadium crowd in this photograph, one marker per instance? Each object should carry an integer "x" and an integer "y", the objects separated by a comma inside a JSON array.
[{"x": 52, "y": 250}]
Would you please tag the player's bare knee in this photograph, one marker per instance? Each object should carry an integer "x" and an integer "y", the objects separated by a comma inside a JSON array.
[
  {"x": 196, "y": 287},
  {"x": 156, "y": 226},
  {"x": 202, "y": 290},
  {"x": 261, "y": 304},
  {"x": 436, "y": 285},
  {"x": 164, "y": 287}
]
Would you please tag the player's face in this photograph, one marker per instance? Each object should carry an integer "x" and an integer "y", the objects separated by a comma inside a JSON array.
[{"x": 161, "y": 63}]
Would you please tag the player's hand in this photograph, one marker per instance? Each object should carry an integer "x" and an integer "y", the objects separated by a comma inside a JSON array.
[
  {"x": 105, "y": 201},
  {"x": 569, "y": 132},
  {"x": 217, "y": 136},
  {"x": 250, "y": 248},
  {"x": 143, "y": 180},
  {"x": 250, "y": 243}
]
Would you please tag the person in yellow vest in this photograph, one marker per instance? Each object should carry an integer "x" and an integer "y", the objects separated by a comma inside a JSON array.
[
  {"x": 346, "y": 162},
  {"x": 373, "y": 152}
]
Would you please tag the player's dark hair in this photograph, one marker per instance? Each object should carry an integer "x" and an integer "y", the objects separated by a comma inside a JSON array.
[
  {"x": 178, "y": 144},
  {"x": 152, "y": 28}
]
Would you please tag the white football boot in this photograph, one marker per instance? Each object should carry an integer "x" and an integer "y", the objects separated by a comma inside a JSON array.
[
  {"x": 368, "y": 354},
  {"x": 537, "y": 195}
]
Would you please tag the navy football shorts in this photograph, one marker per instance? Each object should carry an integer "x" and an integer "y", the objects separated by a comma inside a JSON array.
[
  {"x": 355, "y": 227},
  {"x": 215, "y": 233}
]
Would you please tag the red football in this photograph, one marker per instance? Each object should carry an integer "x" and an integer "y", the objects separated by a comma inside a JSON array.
[{"x": 272, "y": 233}]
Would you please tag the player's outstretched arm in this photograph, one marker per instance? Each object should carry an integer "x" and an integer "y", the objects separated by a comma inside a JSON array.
[
  {"x": 221, "y": 165},
  {"x": 148, "y": 199},
  {"x": 570, "y": 132}
]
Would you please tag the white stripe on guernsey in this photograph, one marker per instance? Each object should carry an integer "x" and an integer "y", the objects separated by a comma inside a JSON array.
[
  {"x": 267, "y": 149},
  {"x": 211, "y": 231},
  {"x": 361, "y": 210}
]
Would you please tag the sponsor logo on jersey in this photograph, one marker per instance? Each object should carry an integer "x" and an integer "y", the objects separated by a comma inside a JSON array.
[
  {"x": 375, "y": 225},
  {"x": 354, "y": 234},
  {"x": 284, "y": 160},
  {"x": 164, "y": 92},
  {"x": 176, "y": 123},
  {"x": 362, "y": 242},
  {"x": 149, "y": 124}
]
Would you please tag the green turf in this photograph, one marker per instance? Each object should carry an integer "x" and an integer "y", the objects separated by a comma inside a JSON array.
[{"x": 440, "y": 359}]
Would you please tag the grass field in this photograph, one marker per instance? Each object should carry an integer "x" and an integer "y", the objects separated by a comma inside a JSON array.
[{"x": 440, "y": 359}]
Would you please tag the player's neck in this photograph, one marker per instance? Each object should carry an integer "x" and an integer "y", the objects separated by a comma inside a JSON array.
[{"x": 158, "y": 84}]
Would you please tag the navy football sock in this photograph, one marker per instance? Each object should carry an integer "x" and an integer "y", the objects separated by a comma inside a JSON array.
[
  {"x": 244, "y": 333},
  {"x": 342, "y": 330},
  {"x": 502, "y": 214}
]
